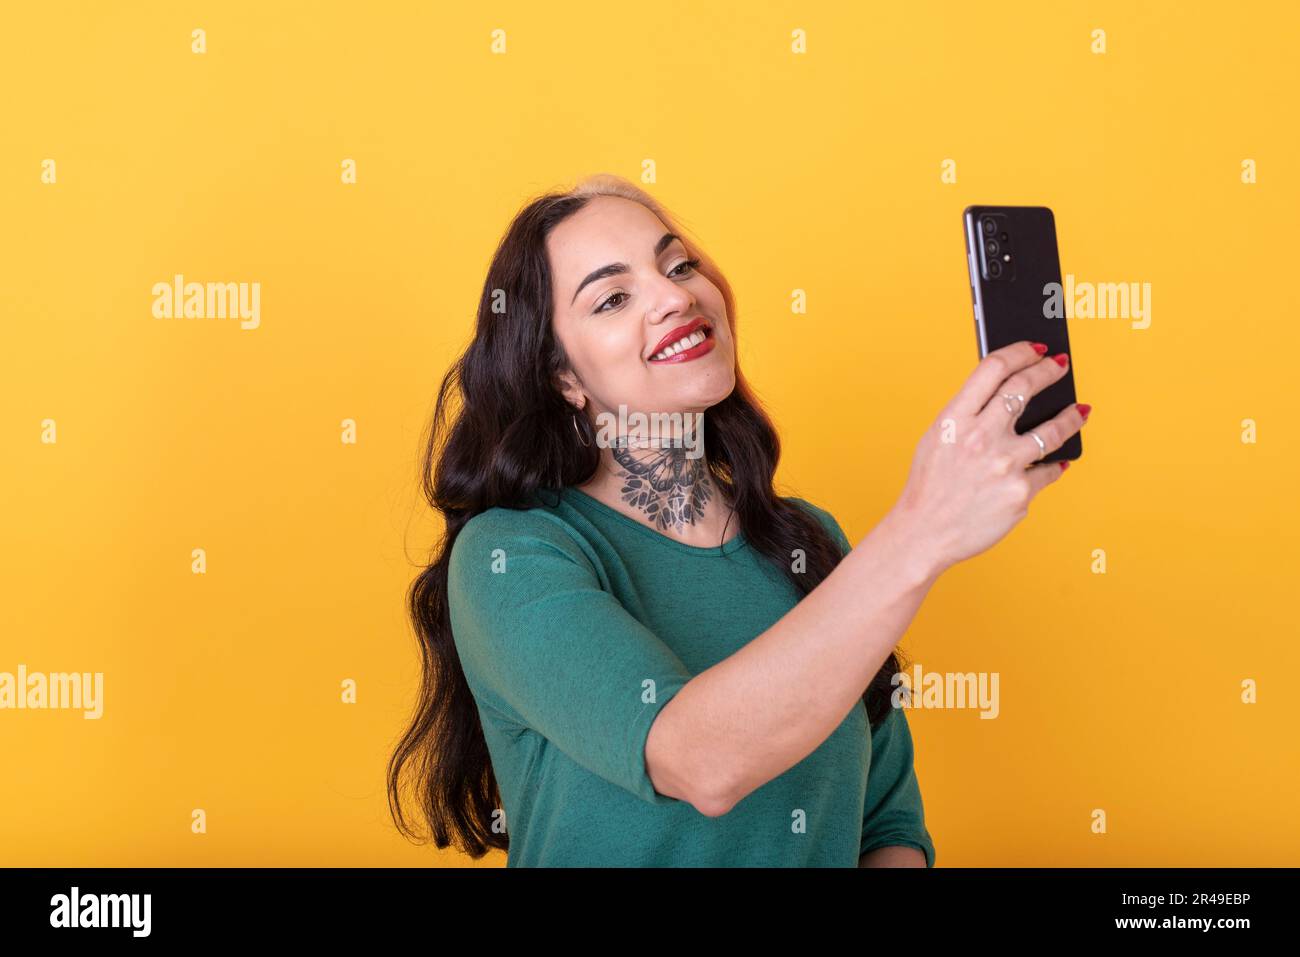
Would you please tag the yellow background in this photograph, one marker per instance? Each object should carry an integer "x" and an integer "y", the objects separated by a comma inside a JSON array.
[{"x": 818, "y": 172}]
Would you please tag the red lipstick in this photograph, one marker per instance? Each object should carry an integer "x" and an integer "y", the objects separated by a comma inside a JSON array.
[{"x": 681, "y": 332}]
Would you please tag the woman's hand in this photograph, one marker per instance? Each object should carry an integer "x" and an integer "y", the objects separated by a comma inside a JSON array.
[{"x": 969, "y": 483}]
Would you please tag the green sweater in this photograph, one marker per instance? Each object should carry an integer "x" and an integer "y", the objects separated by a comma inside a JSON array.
[{"x": 575, "y": 624}]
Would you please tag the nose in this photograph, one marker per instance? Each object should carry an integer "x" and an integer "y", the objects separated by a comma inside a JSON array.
[{"x": 674, "y": 300}]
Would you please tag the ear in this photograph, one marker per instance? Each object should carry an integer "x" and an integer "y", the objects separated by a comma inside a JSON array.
[{"x": 571, "y": 389}]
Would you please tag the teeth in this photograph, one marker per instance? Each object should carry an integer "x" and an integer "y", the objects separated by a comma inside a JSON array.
[{"x": 692, "y": 340}]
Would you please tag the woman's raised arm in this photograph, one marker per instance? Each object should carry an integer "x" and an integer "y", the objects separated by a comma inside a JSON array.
[{"x": 754, "y": 715}]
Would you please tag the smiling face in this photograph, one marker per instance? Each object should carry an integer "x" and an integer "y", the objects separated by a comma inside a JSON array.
[{"x": 621, "y": 284}]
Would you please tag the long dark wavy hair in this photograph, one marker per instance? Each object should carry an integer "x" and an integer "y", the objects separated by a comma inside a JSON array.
[{"x": 512, "y": 437}]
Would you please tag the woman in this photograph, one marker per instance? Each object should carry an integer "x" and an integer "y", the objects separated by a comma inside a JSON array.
[{"x": 639, "y": 655}]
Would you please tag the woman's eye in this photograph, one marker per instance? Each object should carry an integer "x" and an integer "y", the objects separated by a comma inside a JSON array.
[
  {"x": 601, "y": 307},
  {"x": 692, "y": 263}
]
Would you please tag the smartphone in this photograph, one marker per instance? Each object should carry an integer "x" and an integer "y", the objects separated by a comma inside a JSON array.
[{"x": 1015, "y": 283}]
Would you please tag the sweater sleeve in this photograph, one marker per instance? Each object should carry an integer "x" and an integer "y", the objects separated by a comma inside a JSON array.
[
  {"x": 894, "y": 814},
  {"x": 542, "y": 644}
]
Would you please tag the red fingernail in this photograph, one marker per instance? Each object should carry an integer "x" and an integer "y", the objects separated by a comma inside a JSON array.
[
  {"x": 1061, "y": 359},
  {"x": 1039, "y": 347},
  {"x": 1083, "y": 410},
  {"x": 1065, "y": 464}
]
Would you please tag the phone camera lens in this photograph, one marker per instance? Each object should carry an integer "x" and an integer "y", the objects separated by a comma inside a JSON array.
[
  {"x": 991, "y": 247},
  {"x": 995, "y": 268},
  {"x": 990, "y": 227}
]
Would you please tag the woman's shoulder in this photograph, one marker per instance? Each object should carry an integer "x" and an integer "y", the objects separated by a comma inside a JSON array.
[
  {"x": 540, "y": 520},
  {"x": 539, "y": 539},
  {"x": 822, "y": 515},
  {"x": 544, "y": 522},
  {"x": 816, "y": 511}
]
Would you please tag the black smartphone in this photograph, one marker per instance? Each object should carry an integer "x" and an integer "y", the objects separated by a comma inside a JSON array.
[{"x": 1015, "y": 281}]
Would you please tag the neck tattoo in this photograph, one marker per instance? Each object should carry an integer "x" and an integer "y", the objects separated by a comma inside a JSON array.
[{"x": 668, "y": 487}]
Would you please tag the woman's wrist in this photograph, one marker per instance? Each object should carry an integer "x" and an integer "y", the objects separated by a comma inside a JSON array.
[{"x": 916, "y": 555}]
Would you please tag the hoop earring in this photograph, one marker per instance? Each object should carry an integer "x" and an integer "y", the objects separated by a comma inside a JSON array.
[{"x": 579, "y": 431}]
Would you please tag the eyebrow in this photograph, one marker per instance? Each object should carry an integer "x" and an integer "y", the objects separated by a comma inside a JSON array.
[{"x": 613, "y": 269}]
